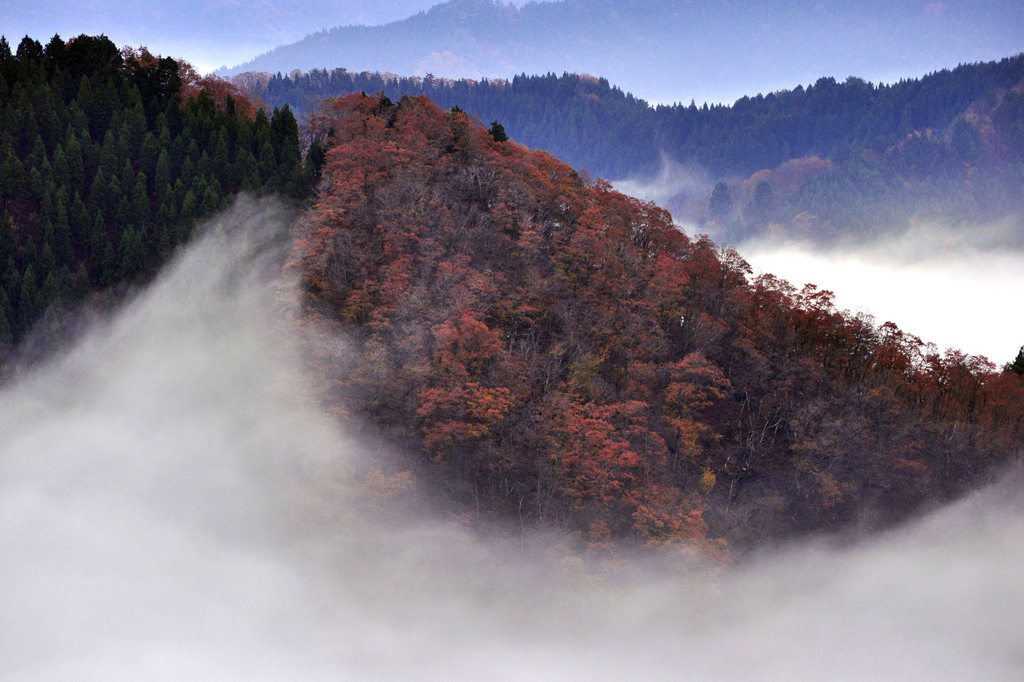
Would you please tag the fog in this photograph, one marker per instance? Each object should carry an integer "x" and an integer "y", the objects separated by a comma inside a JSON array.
[
  {"x": 673, "y": 183},
  {"x": 953, "y": 288},
  {"x": 173, "y": 505}
]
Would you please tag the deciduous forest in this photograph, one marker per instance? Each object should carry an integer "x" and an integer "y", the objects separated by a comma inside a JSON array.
[{"x": 564, "y": 357}]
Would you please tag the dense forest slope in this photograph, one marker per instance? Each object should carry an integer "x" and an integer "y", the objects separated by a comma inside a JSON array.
[
  {"x": 828, "y": 160},
  {"x": 566, "y": 358},
  {"x": 107, "y": 160}
]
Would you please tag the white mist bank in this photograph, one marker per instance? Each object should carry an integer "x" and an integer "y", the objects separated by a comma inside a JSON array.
[
  {"x": 932, "y": 284},
  {"x": 173, "y": 506}
]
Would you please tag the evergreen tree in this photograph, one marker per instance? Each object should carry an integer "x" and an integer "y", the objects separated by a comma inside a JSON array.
[
  {"x": 131, "y": 256},
  {"x": 720, "y": 205},
  {"x": 29, "y": 302},
  {"x": 1017, "y": 366},
  {"x": 101, "y": 154},
  {"x": 6, "y": 321}
]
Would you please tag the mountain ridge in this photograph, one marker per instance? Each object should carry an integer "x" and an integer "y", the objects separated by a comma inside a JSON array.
[{"x": 659, "y": 50}]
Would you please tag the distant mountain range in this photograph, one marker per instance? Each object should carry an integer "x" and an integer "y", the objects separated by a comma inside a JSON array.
[
  {"x": 833, "y": 160},
  {"x": 207, "y": 33},
  {"x": 668, "y": 51}
]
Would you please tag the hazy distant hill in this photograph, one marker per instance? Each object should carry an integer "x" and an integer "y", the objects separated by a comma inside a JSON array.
[
  {"x": 663, "y": 50},
  {"x": 826, "y": 161}
]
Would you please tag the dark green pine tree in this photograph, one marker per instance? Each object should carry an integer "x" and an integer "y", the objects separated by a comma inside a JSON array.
[
  {"x": 6, "y": 322},
  {"x": 140, "y": 201},
  {"x": 60, "y": 239},
  {"x": 50, "y": 295},
  {"x": 498, "y": 132},
  {"x": 162, "y": 173},
  {"x": 29, "y": 302},
  {"x": 99, "y": 241},
  {"x": 131, "y": 255},
  {"x": 108, "y": 266},
  {"x": 75, "y": 161},
  {"x": 8, "y": 244},
  {"x": 187, "y": 217},
  {"x": 266, "y": 166},
  {"x": 1017, "y": 366}
]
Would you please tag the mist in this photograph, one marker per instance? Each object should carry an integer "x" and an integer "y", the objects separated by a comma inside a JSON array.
[
  {"x": 175, "y": 505},
  {"x": 674, "y": 182},
  {"x": 950, "y": 287}
]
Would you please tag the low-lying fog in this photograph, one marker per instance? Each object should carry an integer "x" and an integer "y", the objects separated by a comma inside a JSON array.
[
  {"x": 174, "y": 507},
  {"x": 952, "y": 289}
]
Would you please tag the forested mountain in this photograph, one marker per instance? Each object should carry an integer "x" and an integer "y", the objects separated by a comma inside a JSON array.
[
  {"x": 556, "y": 353},
  {"x": 564, "y": 357},
  {"x": 664, "y": 50},
  {"x": 825, "y": 160},
  {"x": 107, "y": 160}
]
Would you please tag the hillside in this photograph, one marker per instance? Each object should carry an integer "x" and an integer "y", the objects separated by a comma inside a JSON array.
[
  {"x": 561, "y": 356},
  {"x": 825, "y": 162}
]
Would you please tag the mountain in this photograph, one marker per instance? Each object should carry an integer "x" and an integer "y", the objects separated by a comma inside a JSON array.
[
  {"x": 667, "y": 51},
  {"x": 553, "y": 354},
  {"x": 559, "y": 355}
]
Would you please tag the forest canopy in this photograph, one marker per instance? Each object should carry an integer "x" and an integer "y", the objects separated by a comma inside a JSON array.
[
  {"x": 558, "y": 354},
  {"x": 108, "y": 158},
  {"x": 567, "y": 358}
]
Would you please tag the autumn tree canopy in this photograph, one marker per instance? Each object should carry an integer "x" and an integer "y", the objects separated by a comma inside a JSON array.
[{"x": 565, "y": 357}]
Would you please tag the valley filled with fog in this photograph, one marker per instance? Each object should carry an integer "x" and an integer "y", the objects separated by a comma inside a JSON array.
[
  {"x": 174, "y": 505},
  {"x": 951, "y": 288}
]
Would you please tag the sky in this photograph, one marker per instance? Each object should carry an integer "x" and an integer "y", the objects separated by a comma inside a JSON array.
[{"x": 175, "y": 506}]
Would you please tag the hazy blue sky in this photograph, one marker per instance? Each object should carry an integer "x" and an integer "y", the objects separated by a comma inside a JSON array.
[{"x": 207, "y": 33}]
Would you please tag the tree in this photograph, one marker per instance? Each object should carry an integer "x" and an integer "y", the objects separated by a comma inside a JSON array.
[
  {"x": 720, "y": 204},
  {"x": 497, "y": 131},
  {"x": 760, "y": 207},
  {"x": 1017, "y": 366},
  {"x": 966, "y": 141}
]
